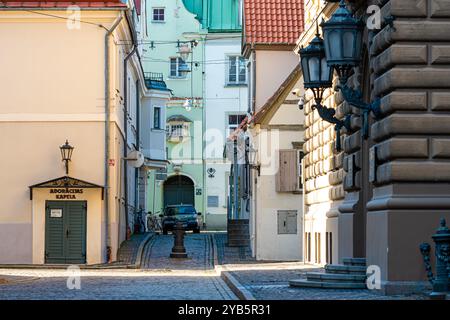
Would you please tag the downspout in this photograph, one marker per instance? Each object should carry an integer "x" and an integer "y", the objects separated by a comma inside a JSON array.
[
  {"x": 125, "y": 128},
  {"x": 107, "y": 135},
  {"x": 253, "y": 81}
]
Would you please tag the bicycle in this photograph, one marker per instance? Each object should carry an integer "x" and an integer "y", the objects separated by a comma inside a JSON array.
[{"x": 154, "y": 222}]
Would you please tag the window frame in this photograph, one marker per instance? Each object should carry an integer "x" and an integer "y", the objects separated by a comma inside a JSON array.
[
  {"x": 238, "y": 60},
  {"x": 159, "y": 14},
  {"x": 157, "y": 125},
  {"x": 177, "y": 68},
  {"x": 235, "y": 126}
]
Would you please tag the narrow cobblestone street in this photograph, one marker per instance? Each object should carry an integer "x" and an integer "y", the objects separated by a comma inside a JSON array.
[
  {"x": 194, "y": 278},
  {"x": 160, "y": 278}
]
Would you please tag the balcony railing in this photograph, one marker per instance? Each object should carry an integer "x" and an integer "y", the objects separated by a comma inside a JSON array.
[{"x": 155, "y": 80}]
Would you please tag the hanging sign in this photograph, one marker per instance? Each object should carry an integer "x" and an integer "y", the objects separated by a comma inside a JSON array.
[{"x": 56, "y": 213}]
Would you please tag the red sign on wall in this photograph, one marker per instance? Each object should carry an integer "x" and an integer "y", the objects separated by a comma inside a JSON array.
[{"x": 112, "y": 162}]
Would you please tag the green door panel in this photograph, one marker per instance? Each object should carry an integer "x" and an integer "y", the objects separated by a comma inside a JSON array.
[
  {"x": 54, "y": 234},
  {"x": 178, "y": 190},
  {"x": 76, "y": 233},
  {"x": 65, "y": 236}
]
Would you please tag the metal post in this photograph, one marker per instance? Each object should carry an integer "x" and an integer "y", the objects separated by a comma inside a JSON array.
[
  {"x": 235, "y": 182},
  {"x": 178, "y": 250}
]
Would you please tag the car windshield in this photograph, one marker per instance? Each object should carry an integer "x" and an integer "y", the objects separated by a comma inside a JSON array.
[{"x": 171, "y": 211}]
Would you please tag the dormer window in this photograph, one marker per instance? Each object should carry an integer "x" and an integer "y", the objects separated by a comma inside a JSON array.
[{"x": 178, "y": 128}]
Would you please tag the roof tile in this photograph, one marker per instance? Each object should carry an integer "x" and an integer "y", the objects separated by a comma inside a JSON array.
[
  {"x": 62, "y": 4},
  {"x": 273, "y": 21}
]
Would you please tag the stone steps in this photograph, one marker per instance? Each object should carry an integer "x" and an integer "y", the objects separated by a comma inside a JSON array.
[
  {"x": 335, "y": 277},
  {"x": 350, "y": 275},
  {"x": 338, "y": 268},
  {"x": 354, "y": 261},
  {"x": 303, "y": 283}
]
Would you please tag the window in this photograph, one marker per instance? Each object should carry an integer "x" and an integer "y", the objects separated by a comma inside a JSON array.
[
  {"x": 300, "y": 156},
  {"x": 157, "y": 118},
  {"x": 234, "y": 120},
  {"x": 289, "y": 175},
  {"x": 158, "y": 15},
  {"x": 237, "y": 70},
  {"x": 177, "y": 130},
  {"x": 175, "y": 64}
]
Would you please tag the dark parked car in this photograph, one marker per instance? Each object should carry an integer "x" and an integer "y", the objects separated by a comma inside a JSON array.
[{"x": 185, "y": 213}]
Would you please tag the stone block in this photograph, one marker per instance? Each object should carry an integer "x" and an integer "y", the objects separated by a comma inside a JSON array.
[
  {"x": 440, "y": 148},
  {"x": 405, "y": 8},
  {"x": 414, "y": 124},
  {"x": 413, "y": 171},
  {"x": 440, "y": 54},
  {"x": 398, "y": 55},
  {"x": 399, "y": 78},
  {"x": 440, "y": 8},
  {"x": 403, "y": 100},
  {"x": 395, "y": 148},
  {"x": 440, "y": 101}
]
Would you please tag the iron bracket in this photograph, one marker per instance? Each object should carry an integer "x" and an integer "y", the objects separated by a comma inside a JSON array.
[
  {"x": 328, "y": 114},
  {"x": 425, "y": 250},
  {"x": 354, "y": 98}
]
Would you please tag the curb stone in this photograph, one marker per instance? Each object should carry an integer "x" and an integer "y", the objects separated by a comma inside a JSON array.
[
  {"x": 235, "y": 286},
  {"x": 138, "y": 262},
  {"x": 136, "y": 265}
]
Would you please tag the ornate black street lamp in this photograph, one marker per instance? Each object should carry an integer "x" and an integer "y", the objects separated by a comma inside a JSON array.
[
  {"x": 342, "y": 35},
  {"x": 66, "y": 154},
  {"x": 317, "y": 76}
]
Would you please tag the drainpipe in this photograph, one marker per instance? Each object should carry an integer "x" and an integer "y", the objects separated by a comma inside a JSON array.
[
  {"x": 125, "y": 128},
  {"x": 253, "y": 81},
  {"x": 107, "y": 134}
]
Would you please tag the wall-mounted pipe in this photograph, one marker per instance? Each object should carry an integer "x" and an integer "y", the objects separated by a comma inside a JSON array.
[
  {"x": 107, "y": 134},
  {"x": 125, "y": 128}
]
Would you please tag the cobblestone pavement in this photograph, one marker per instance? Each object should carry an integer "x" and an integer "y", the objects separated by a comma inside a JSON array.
[
  {"x": 161, "y": 278},
  {"x": 115, "y": 285},
  {"x": 128, "y": 250},
  {"x": 273, "y": 284},
  {"x": 198, "y": 247},
  {"x": 269, "y": 280}
]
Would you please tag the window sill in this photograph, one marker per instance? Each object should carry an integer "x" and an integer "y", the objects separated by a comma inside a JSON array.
[
  {"x": 177, "y": 78},
  {"x": 156, "y": 21},
  {"x": 233, "y": 85}
]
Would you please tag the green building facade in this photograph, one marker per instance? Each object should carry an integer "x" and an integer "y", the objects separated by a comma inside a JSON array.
[{"x": 175, "y": 26}]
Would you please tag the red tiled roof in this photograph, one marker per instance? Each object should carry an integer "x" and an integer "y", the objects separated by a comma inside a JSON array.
[
  {"x": 273, "y": 21},
  {"x": 62, "y": 4}
]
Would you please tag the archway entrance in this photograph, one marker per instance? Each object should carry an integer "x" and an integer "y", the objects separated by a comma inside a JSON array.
[{"x": 178, "y": 189}]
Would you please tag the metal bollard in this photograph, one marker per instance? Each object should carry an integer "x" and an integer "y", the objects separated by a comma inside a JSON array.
[
  {"x": 178, "y": 250},
  {"x": 441, "y": 283}
]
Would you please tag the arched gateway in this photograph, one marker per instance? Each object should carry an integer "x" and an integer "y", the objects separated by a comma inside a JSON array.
[{"x": 178, "y": 189}]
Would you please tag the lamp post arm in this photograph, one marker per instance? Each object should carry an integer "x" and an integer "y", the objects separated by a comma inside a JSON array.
[
  {"x": 354, "y": 97},
  {"x": 328, "y": 114}
]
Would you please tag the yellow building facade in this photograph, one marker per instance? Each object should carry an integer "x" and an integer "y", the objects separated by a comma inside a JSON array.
[{"x": 54, "y": 76}]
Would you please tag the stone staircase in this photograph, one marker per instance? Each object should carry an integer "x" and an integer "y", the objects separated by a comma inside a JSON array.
[{"x": 350, "y": 275}]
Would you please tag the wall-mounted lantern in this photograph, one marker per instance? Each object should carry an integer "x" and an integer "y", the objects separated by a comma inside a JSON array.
[
  {"x": 318, "y": 76},
  {"x": 342, "y": 35},
  {"x": 66, "y": 154}
]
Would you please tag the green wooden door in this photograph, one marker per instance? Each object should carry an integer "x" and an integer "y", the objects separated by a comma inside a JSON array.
[
  {"x": 65, "y": 232},
  {"x": 178, "y": 190}
]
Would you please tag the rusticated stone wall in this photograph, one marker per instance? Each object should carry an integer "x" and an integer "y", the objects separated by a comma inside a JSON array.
[
  {"x": 410, "y": 169},
  {"x": 323, "y": 166},
  {"x": 383, "y": 196}
]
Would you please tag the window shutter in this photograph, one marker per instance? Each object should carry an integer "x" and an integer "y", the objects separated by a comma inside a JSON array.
[{"x": 286, "y": 180}]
